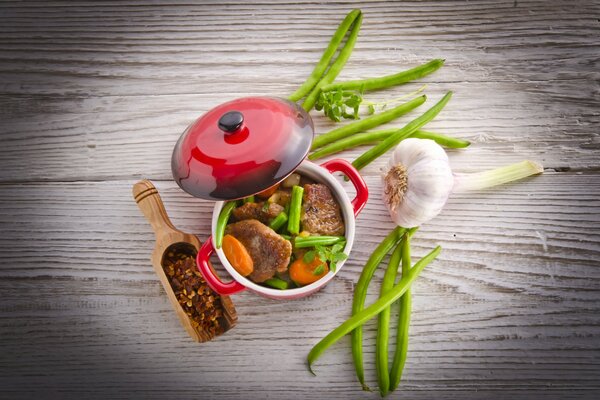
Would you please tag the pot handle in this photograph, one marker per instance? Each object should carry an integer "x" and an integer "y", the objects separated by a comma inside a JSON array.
[
  {"x": 215, "y": 283},
  {"x": 362, "y": 191}
]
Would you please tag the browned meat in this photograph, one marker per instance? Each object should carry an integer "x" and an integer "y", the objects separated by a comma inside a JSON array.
[
  {"x": 283, "y": 197},
  {"x": 320, "y": 211},
  {"x": 269, "y": 251},
  {"x": 257, "y": 211}
]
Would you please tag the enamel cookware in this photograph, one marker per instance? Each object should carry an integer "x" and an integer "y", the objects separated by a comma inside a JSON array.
[{"x": 244, "y": 147}]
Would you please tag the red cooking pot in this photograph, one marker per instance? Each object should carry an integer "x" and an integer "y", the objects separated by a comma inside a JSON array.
[{"x": 244, "y": 147}]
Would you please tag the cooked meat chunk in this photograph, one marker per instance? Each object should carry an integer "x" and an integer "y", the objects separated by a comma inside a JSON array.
[
  {"x": 257, "y": 211},
  {"x": 269, "y": 251},
  {"x": 283, "y": 197},
  {"x": 320, "y": 211}
]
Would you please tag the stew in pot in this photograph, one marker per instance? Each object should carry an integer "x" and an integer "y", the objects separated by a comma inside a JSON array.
[{"x": 288, "y": 236}]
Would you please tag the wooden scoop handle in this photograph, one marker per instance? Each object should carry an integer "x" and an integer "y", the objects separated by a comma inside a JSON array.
[{"x": 148, "y": 200}]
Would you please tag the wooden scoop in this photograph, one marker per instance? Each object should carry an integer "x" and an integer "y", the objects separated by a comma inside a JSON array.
[{"x": 169, "y": 239}]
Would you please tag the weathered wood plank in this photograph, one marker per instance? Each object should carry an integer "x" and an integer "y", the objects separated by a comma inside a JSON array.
[
  {"x": 510, "y": 305},
  {"x": 96, "y": 138},
  {"x": 85, "y": 89}
]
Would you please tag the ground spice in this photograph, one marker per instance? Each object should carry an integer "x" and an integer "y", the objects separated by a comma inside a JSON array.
[{"x": 199, "y": 301}]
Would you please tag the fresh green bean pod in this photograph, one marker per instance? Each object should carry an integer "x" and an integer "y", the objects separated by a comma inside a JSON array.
[
  {"x": 374, "y": 309},
  {"x": 367, "y": 123},
  {"x": 379, "y": 149},
  {"x": 442, "y": 140},
  {"x": 383, "y": 323},
  {"x": 377, "y": 136},
  {"x": 387, "y": 81},
  {"x": 350, "y": 142},
  {"x": 360, "y": 294},
  {"x": 295, "y": 210},
  {"x": 403, "y": 322},
  {"x": 276, "y": 283},
  {"x": 323, "y": 63},
  {"x": 336, "y": 67},
  {"x": 222, "y": 222},
  {"x": 278, "y": 221},
  {"x": 310, "y": 241}
]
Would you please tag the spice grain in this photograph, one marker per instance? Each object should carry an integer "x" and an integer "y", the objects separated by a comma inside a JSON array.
[{"x": 198, "y": 301}]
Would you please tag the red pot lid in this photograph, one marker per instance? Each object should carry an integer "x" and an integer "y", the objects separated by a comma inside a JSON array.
[{"x": 241, "y": 148}]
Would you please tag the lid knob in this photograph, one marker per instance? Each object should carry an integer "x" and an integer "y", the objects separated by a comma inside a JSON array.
[{"x": 231, "y": 121}]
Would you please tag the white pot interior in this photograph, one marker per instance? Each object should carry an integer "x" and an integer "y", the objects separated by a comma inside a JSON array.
[{"x": 320, "y": 175}]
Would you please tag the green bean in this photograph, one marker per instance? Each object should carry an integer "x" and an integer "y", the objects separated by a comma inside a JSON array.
[
  {"x": 278, "y": 221},
  {"x": 403, "y": 322},
  {"x": 379, "y": 305},
  {"x": 360, "y": 294},
  {"x": 336, "y": 67},
  {"x": 295, "y": 210},
  {"x": 286, "y": 237},
  {"x": 383, "y": 323},
  {"x": 276, "y": 283},
  {"x": 350, "y": 142},
  {"x": 442, "y": 140},
  {"x": 323, "y": 63},
  {"x": 249, "y": 199},
  {"x": 310, "y": 241},
  {"x": 387, "y": 81},
  {"x": 222, "y": 222},
  {"x": 376, "y": 136},
  {"x": 376, "y": 151},
  {"x": 367, "y": 123}
]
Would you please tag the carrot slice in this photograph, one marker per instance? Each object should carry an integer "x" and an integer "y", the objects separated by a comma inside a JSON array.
[
  {"x": 238, "y": 255},
  {"x": 304, "y": 273},
  {"x": 265, "y": 194}
]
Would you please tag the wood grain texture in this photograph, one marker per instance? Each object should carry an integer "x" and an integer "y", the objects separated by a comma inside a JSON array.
[{"x": 93, "y": 96}]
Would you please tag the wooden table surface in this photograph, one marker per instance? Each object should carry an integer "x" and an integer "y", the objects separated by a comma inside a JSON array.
[{"x": 93, "y": 96}]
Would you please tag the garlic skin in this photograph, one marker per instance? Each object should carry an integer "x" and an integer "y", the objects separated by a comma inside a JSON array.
[{"x": 417, "y": 182}]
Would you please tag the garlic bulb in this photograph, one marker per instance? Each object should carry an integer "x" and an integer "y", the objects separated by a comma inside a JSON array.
[{"x": 418, "y": 181}]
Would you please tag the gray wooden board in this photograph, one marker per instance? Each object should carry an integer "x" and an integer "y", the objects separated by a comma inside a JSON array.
[{"x": 93, "y": 97}]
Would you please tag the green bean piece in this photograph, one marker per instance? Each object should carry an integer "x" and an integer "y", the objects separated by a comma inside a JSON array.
[
  {"x": 311, "y": 241},
  {"x": 367, "y": 123},
  {"x": 295, "y": 210},
  {"x": 336, "y": 67},
  {"x": 249, "y": 199},
  {"x": 383, "y": 323},
  {"x": 377, "y": 136},
  {"x": 278, "y": 221},
  {"x": 442, "y": 140},
  {"x": 367, "y": 157},
  {"x": 360, "y": 294},
  {"x": 364, "y": 85},
  {"x": 350, "y": 142},
  {"x": 379, "y": 305},
  {"x": 286, "y": 237},
  {"x": 222, "y": 222},
  {"x": 323, "y": 63},
  {"x": 403, "y": 321},
  {"x": 276, "y": 283}
]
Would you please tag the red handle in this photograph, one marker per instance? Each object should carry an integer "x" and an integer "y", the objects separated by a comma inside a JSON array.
[
  {"x": 209, "y": 275},
  {"x": 362, "y": 191}
]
